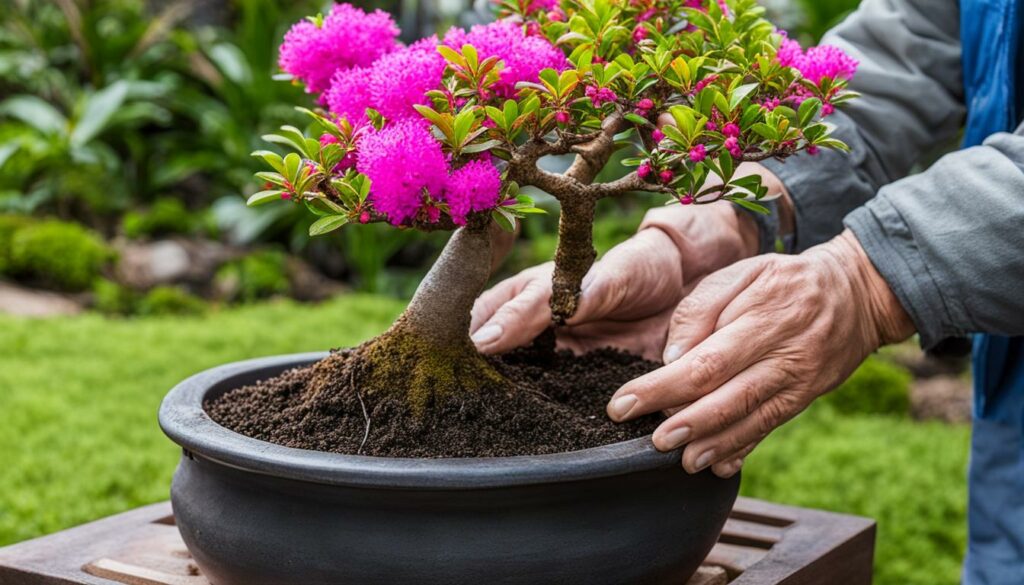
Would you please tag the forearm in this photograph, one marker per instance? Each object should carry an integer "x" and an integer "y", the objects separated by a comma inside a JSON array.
[
  {"x": 948, "y": 241},
  {"x": 912, "y": 102}
]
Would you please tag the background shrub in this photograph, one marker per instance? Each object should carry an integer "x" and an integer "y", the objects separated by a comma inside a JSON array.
[
  {"x": 167, "y": 216},
  {"x": 879, "y": 387},
  {"x": 170, "y": 300},
  {"x": 61, "y": 255},
  {"x": 9, "y": 225},
  {"x": 257, "y": 276}
]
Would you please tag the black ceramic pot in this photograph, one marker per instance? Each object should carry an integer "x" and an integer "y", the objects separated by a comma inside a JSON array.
[{"x": 255, "y": 513}]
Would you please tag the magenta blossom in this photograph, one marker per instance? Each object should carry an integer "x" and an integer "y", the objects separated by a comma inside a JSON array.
[
  {"x": 666, "y": 176},
  {"x": 732, "y": 144},
  {"x": 562, "y": 117},
  {"x": 347, "y": 38},
  {"x": 524, "y": 56},
  {"x": 644, "y": 170},
  {"x": 392, "y": 85},
  {"x": 731, "y": 130},
  {"x": 473, "y": 187},
  {"x": 817, "y": 63},
  {"x": 404, "y": 162},
  {"x": 657, "y": 135},
  {"x": 698, "y": 153},
  {"x": 600, "y": 95}
]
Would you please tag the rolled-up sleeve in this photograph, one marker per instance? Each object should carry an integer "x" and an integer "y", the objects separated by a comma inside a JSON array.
[
  {"x": 912, "y": 100},
  {"x": 950, "y": 241}
]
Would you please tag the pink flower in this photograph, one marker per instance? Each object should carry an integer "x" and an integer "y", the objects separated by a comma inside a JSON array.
[
  {"x": 666, "y": 176},
  {"x": 657, "y": 135},
  {"x": 473, "y": 187},
  {"x": 645, "y": 104},
  {"x": 543, "y": 5},
  {"x": 524, "y": 56},
  {"x": 364, "y": 217},
  {"x": 732, "y": 144},
  {"x": 731, "y": 129},
  {"x": 600, "y": 95},
  {"x": 711, "y": 126},
  {"x": 556, "y": 15},
  {"x": 400, "y": 80},
  {"x": 533, "y": 29},
  {"x": 639, "y": 33},
  {"x": 403, "y": 160},
  {"x": 686, "y": 200},
  {"x": 812, "y": 150},
  {"x": 562, "y": 117},
  {"x": 349, "y": 94},
  {"x": 771, "y": 104},
  {"x": 700, "y": 85},
  {"x": 698, "y": 153},
  {"x": 326, "y": 139},
  {"x": 644, "y": 170},
  {"x": 817, "y": 63},
  {"x": 348, "y": 38},
  {"x": 827, "y": 109}
]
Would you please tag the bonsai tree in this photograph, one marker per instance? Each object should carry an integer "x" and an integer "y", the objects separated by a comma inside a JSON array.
[{"x": 443, "y": 135}]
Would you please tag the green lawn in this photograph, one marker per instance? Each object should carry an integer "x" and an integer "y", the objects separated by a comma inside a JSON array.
[{"x": 79, "y": 439}]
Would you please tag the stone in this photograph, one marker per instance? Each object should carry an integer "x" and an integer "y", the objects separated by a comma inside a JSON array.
[{"x": 26, "y": 302}]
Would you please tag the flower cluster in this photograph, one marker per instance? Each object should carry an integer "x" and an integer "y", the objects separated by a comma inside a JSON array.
[
  {"x": 818, "y": 65},
  {"x": 314, "y": 49},
  {"x": 405, "y": 166},
  {"x": 523, "y": 56},
  {"x": 473, "y": 187}
]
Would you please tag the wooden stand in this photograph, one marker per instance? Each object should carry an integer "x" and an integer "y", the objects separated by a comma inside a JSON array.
[{"x": 762, "y": 544}]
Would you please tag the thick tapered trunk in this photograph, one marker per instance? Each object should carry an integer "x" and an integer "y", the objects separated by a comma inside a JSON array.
[{"x": 427, "y": 352}]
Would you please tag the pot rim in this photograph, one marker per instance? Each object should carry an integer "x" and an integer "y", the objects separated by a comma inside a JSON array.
[{"x": 185, "y": 422}]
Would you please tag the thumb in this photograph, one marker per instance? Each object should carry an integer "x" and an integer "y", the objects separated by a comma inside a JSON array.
[
  {"x": 696, "y": 317},
  {"x": 517, "y": 321}
]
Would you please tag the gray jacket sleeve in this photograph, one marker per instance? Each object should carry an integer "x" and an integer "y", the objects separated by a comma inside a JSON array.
[
  {"x": 950, "y": 241},
  {"x": 912, "y": 101}
]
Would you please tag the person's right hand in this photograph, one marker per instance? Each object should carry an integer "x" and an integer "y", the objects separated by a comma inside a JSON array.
[{"x": 629, "y": 295}]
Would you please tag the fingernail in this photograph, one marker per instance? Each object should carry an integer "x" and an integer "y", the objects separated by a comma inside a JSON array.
[
  {"x": 672, "y": 353},
  {"x": 704, "y": 460},
  {"x": 619, "y": 407},
  {"x": 487, "y": 334},
  {"x": 675, "y": 438}
]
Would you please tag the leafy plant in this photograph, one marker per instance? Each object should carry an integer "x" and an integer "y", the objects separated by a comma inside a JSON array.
[
  {"x": 170, "y": 300},
  {"x": 441, "y": 136},
  {"x": 58, "y": 254}
]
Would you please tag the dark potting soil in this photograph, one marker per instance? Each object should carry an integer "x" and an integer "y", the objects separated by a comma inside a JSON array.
[{"x": 557, "y": 404}]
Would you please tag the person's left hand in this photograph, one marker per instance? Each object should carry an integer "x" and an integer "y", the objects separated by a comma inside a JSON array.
[{"x": 755, "y": 343}]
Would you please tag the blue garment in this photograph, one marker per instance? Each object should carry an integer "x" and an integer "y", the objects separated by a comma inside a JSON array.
[{"x": 994, "y": 84}]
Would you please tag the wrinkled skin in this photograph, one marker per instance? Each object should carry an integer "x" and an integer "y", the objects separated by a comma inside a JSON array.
[
  {"x": 629, "y": 295},
  {"x": 754, "y": 344}
]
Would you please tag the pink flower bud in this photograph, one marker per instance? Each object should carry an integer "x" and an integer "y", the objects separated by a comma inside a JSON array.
[
  {"x": 556, "y": 15},
  {"x": 645, "y": 104},
  {"x": 562, "y": 117},
  {"x": 666, "y": 176},
  {"x": 364, "y": 217},
  {"x": 286, "y": 195},
  {"x": 686, "y": 200},
  {"x": 731, "y": 129},
  {"x": 657, "y": 135},
  {"x": 644, "y": 170},
  {"x": 732, "y": 144},
  {"x": 639, "y": 33},
  {"x": 698, "y": 153},
  {"x": 827, "y": 109},
  {"x": 533, "y": 29},
  {"x": 813, "y": 150},
  {"x": 326, "y": 139},
  {"x": 711, "y": 126}
]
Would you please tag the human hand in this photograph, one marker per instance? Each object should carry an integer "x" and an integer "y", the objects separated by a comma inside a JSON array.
[
  {"x": 629, "y": 294},
  {"x": 755, "y": 343}
]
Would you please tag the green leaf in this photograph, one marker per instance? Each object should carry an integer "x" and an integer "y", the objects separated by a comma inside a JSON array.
[
  {"x": 739, "y": 94},
  {"x": 809, "y": 109},
  {"x": 99, "y": 108},
  {"x": 504, "y": 219},
  {"x": 327, "y": 224},
  {"x": 272, "y": 158},
  {"x": 292, "y": 162},
  {"x": 752, "y": 206},
  {"x": 481, "y": 146},
  {"x": 637, "y": 119},
  {"x": 35, "y": 112},
  {"x": 264, "y": 197}
]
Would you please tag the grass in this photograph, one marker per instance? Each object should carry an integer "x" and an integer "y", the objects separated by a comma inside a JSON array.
[{"x": 79, "y": 439}]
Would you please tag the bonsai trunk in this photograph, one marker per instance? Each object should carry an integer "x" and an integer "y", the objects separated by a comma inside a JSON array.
[{"x": 427, "y": 352}]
